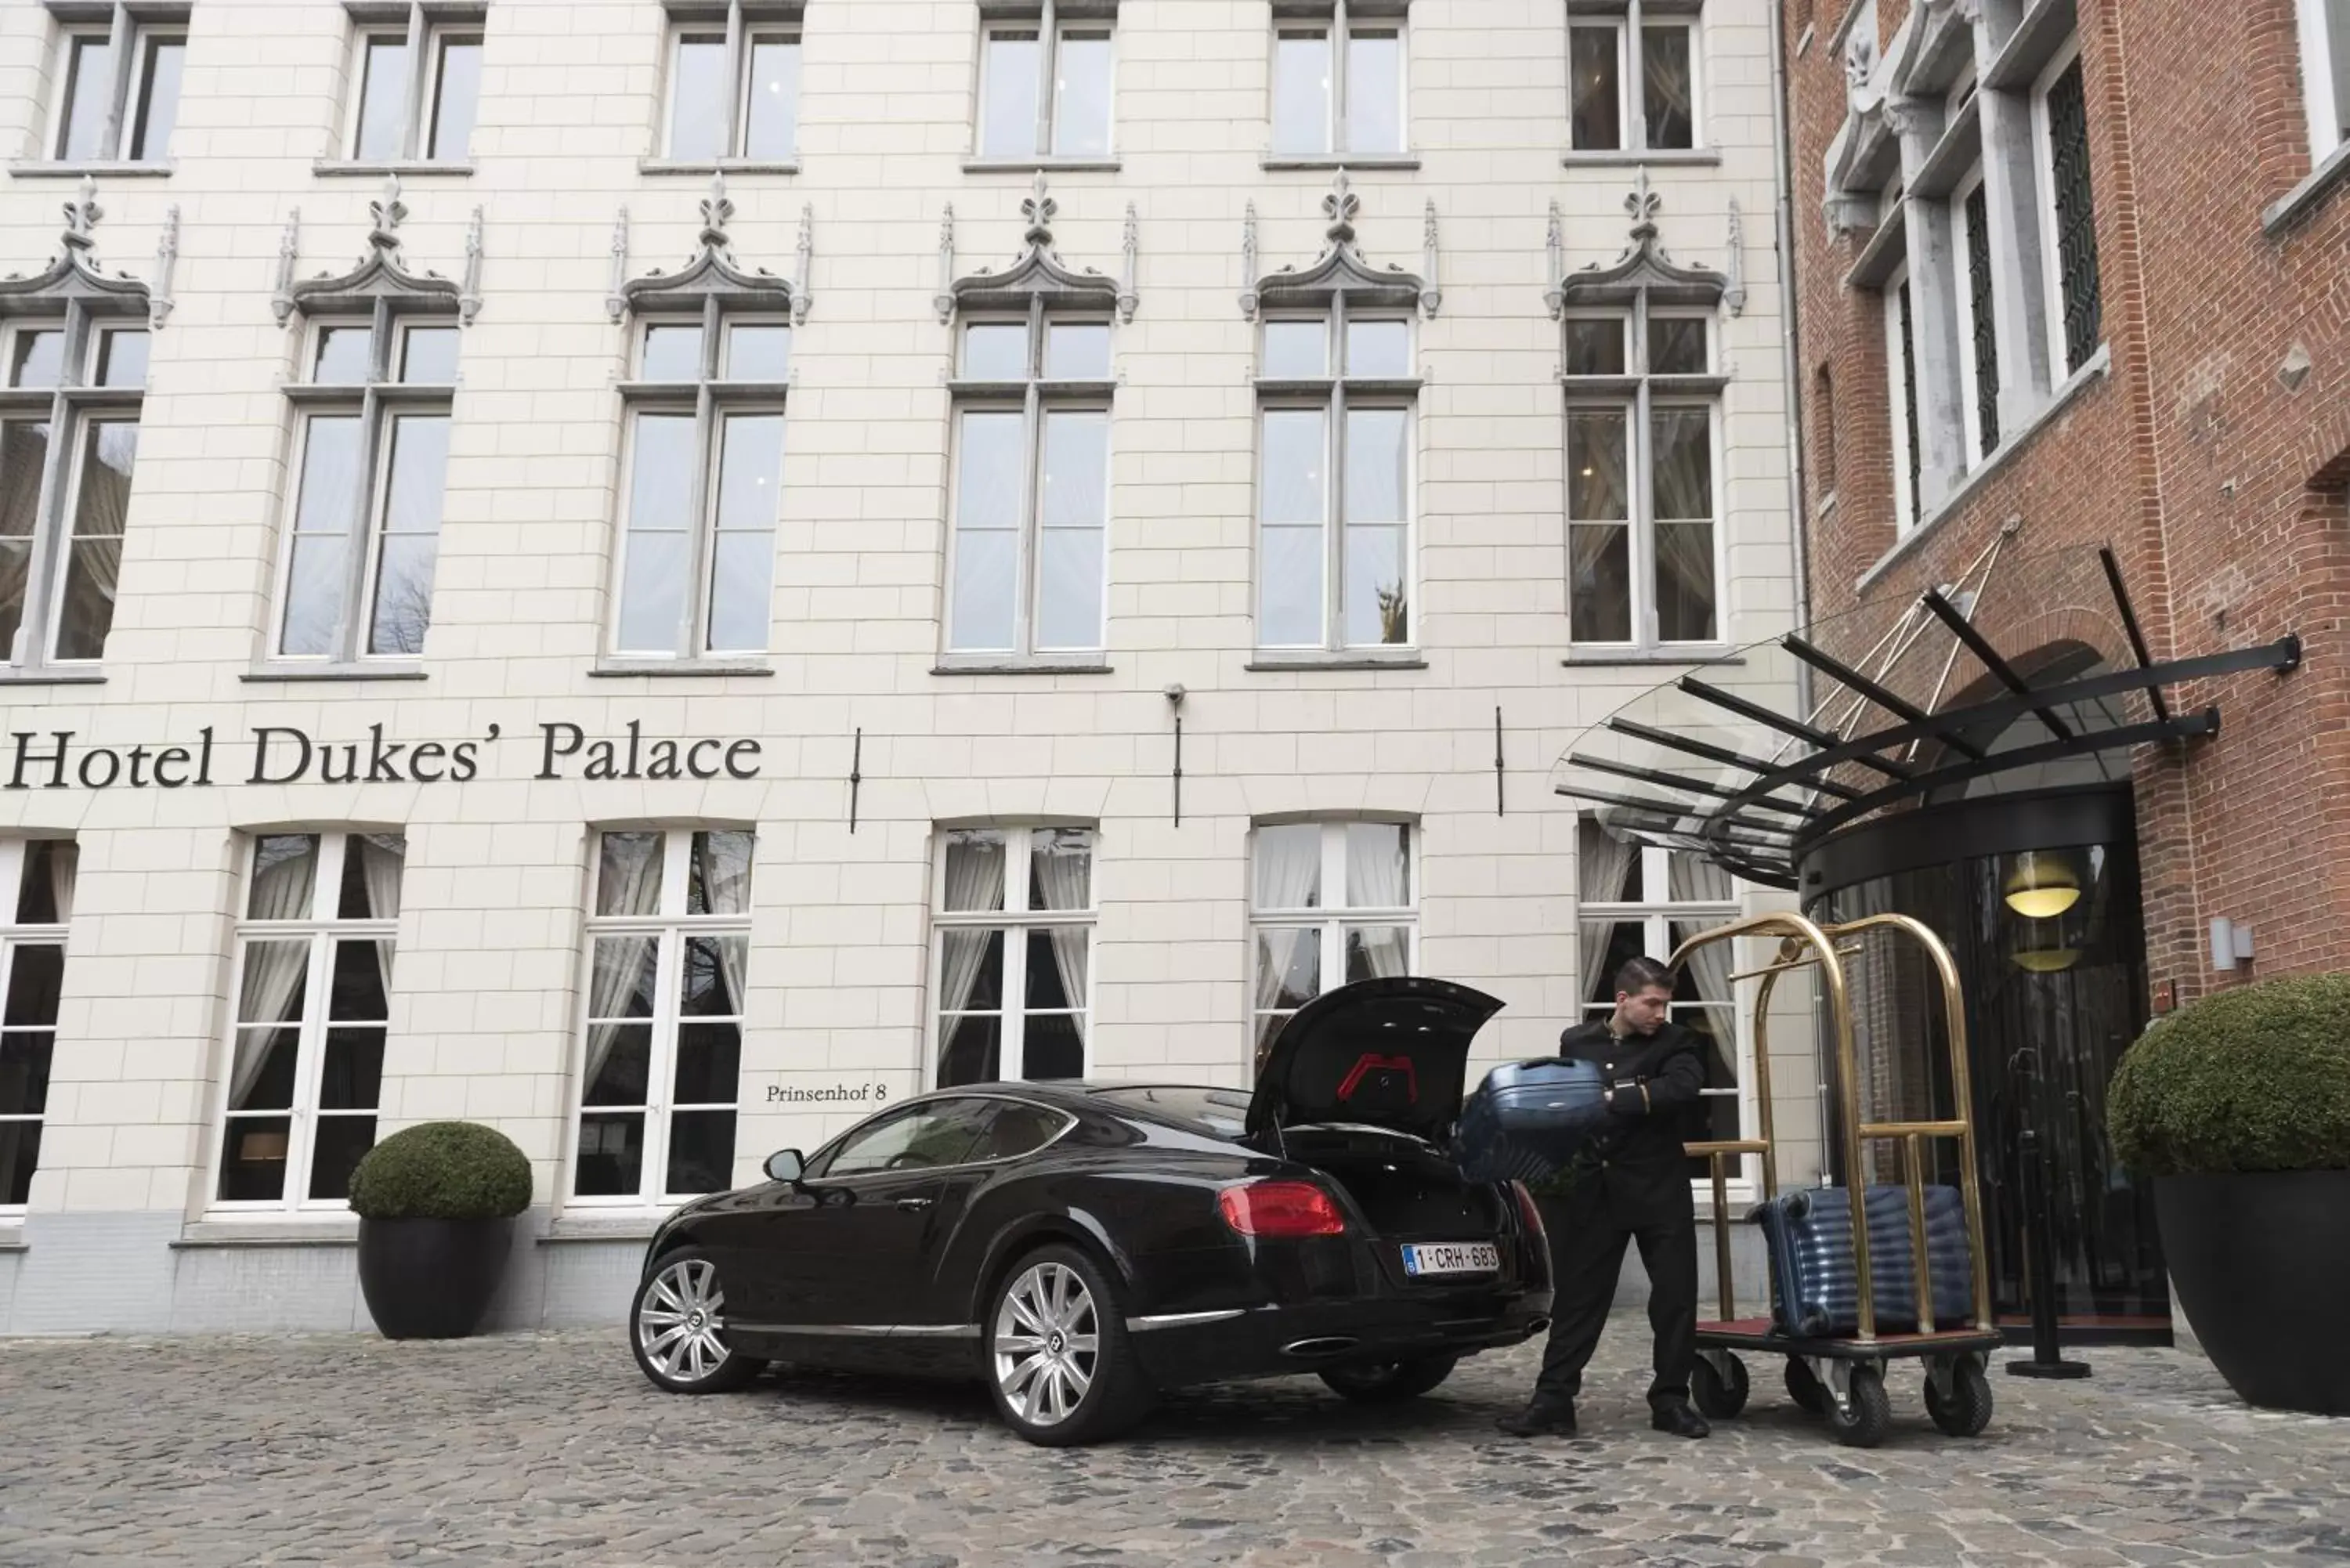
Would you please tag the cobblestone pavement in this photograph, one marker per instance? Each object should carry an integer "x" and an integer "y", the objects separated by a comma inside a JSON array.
[{"x": 551, "y": 1450}]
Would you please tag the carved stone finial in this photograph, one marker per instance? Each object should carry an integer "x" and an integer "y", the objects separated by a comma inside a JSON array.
[
  {"x": 289, "y": 244},
  {"x": 1643, "y": 204},
  {"x": 804, "y": 256},
  {"x": 1248, "y": 260},
  {"x": 82, "y": 214},
  {"x": 944, "y": 300},
  {"x": 1734, "y": 292},
  {"x": 1039, "y": 209},
  {"x": 1340, "y": 206},
  {"x": 386, "y": 214},
  {"x": 717, "y": 211},
  {"x": 167, "y": 261},
  {"x": 617, "y": 303},
  {"x": 1430, "y": 296},
  {"x": 1131, "y": 245},
  {"x": 469, "y": 295},
  {"x": 1554, "y": 251}
]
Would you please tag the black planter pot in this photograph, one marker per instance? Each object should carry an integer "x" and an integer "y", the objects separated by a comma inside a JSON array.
[
  {"x": 430, "y": 1278},
  {"x": 2261, "y": 1264}
]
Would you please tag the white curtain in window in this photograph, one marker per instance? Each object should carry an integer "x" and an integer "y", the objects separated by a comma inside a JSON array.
[
  {"x": 1375, "y": 880},
  {"x": 1689, "y": 881},
  {"x": 1067, "y": 882},
  {"x": 273, "y": 971},
  {"x": 1602, "y": 861},
  {"x": 727, "y": 883},
  {"x": 65, "y": 858},
  {"x": 380, "y": 858},
  {"x": 1286, "y": 867},
  {"x": 974, "y": 881},
  {"x": 631, "y": 887}
]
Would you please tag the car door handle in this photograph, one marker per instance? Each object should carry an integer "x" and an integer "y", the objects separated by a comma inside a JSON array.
[{"x": 914, "y": 1204}]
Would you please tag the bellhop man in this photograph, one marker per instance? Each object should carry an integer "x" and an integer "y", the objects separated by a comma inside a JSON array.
[{"x": 1630, "y": 1184}]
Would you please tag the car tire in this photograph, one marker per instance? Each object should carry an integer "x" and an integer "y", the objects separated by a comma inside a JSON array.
[
  {"x": 678, "y": 1328},
  {"x": 1389, "y": 1383},
  {"x": 1057, "y": 1359}
]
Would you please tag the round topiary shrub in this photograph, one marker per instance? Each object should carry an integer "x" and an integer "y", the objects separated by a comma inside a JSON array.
[
  {"x": 442, "y": 1170},
  {"x": 2251, "y": 1079}
]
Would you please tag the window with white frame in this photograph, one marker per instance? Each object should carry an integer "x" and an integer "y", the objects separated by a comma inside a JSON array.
[
  {"x": 2060, "y": 117},
  {"x": 669, "y": 954},
  {"x": 1978, "y": 329},
  {"x": 1047, "y": 81},
  {"x": 69, "y": 442},
  {"x": 312, "y": 1009},
  {"x": 32, "y": 977},
  {"x": 1014, "y": 958},
  {"x": 1637, "y": 900},
  {"x": 1336, "y": 401},
  {"x": 1031, "y": 536},
  {"x": 372, "y": 459},
  {"x": 415, "y": 82},
  {"x": 1633, "y": 70},
  {"x": 117, "y": 83},
  {"x": 1901, "y": 384},
  {"x": 734, "y": 84},
  {"x": 1643, "y": 430},
  {"x": 1339, "y": 87},
  {"x": 2325, "y": 74},
  {"x": 1330, "y": 903}
]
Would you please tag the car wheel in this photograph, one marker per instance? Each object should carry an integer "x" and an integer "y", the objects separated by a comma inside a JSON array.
[
  {"x": 1392, "y": 1381},
  {"x": 678, "y": 1328},
  {"x": 1059, "y": 1364}
]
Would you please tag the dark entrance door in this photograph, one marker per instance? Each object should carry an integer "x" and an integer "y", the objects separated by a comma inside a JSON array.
[{"x": 2038, "y": 897}]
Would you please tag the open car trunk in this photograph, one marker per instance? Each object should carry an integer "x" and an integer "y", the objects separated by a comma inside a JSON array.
[
  {"x": 1390, "y": 1053},
  {"x": 1408, "y": 1190}
]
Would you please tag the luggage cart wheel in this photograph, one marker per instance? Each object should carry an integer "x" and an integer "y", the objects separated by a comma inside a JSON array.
[
  {"x": 1963, "y": 1410},
  {"x": 1803, "y": 1387},
  {"x": 1861, "y": 1418},
  {"x": 1719, "y": 1384}
]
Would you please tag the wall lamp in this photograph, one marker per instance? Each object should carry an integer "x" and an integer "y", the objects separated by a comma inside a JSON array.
[{"x": 2231, "y": 943}]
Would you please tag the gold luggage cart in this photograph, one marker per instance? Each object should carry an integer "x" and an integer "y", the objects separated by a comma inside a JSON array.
[{"x": 1843, "y": 1377}]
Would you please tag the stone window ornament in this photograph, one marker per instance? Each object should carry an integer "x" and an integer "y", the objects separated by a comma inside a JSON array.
[
  {"x": 1644, "y": 271},
  {"x": 712, "y": 273},
  {"x": 1340, "y": 269},
  {"x": 382, "y": 276},
  {"x": 1038, "y": 272}
]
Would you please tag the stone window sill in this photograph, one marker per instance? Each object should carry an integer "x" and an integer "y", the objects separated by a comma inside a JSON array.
[
  {"x": 109, "y": 169},
  {"x": 2095, "y": 369},
  {"x": 51, "y": 678},
  {"x": 1266, "y": 660},
  {"x": 718, "y": 166},
  {"x": 1636, "y": 157},
  {"x": 1709, "y": 654},
  {"x": 678, "y": 669},
  {"x": 964, "y": 664},
  {"x": 585, "y": 1227},
  {"x": 272, "y": 674},
  {"x": 377, "y": 168},
  {"x": 335, "y": 1230},
  {"x": 1340, "y": 161},
  {"x": 2306, "y": 197},
  {"x": 12, "y": 1237},
  {"x": 1055, "y": 165}
]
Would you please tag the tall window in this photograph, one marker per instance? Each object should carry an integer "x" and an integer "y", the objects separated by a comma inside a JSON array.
[
  {"x": 312, "y": 1006},
  {"x": 1338, "y": 81},
  {"x": 1643, "y": 507},
  {"x": 68, "y": 441},
  {"x": 1637, "y": 900},
  {"x": 1632, "y": 71},
  {"x": 2060, "y": 118},
  {"x": 117, "y": 86},
  {"x": 1901, "y": 381},
  {"x": 669, "y": 948},
  {"x": 1045, "y": 81},
  {"x": 1336, "y": 397},
  {"x": 372, "y": 466},
  {"x": 1332, "y": 903},
  {"x": 2325, "y": 74},
  {"x": 32, "y": 976},
  {"x": 705, "y": 483},
  {"x": 416, "y": 85},
  {"x": 1032, "y": 484},
  {"x": 733, "y": 75},
  {"x": 1015, "y": 931},
  {"x": 1979, "y": 360}
]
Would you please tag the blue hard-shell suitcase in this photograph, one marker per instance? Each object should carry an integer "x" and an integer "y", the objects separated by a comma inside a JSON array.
[
  {"x": 1814, "y": 1286},
  {"x": 1526, "y": 1120}
]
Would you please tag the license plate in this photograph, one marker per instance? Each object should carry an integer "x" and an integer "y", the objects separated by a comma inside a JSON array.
[{"x": 1452, "y": 1258}]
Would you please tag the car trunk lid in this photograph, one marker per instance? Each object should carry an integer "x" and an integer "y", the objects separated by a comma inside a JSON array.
[{"x": 1389, "y": 1053}]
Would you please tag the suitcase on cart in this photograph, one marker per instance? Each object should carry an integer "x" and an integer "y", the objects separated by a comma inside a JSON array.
[
  {"x": 1527, "y": 1119},
  {"x": 1814, "y": 1285}
]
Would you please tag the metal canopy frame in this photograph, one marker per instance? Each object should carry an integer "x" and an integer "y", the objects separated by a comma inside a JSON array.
[{"x": 1867, "y": 745}]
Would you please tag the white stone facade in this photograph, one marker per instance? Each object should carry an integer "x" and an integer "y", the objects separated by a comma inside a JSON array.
[{"x": 489, "y": 995}]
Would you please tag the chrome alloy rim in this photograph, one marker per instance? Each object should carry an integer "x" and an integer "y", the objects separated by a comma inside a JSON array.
[
  {"x": 1047, "y": 1344},
  {"x": 681, "y": 1323}
]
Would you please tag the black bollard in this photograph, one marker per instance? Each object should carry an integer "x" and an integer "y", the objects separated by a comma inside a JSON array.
[{"x": 2039, "y": 1269}]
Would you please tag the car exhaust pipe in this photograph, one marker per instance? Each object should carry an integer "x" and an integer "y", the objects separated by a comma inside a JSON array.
[
  {"x": 1329, "y": 1346},
  {"x": 1537, "y": 1326}
]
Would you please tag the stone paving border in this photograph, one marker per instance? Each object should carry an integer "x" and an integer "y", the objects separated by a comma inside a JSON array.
[{"x": 551, "y": 1450}]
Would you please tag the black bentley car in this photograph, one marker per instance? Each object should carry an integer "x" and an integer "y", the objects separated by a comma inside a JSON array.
[{"x": 1081, "y": 1246}]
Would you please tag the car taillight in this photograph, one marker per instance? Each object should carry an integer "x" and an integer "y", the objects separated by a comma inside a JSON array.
[
  {"x": 1530, "y": 1214},
  {"x": 1281, "y": 1209}
]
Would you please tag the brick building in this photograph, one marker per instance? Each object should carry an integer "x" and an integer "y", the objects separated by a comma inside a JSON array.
[{"x": 2073, "y": 276}]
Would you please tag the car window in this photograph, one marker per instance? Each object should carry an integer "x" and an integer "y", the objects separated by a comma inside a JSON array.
[
  {"x": 921, "y": 1138},
  {"x": 1017, "y": 1128},
  {"x": 1218, "y": 1112}
]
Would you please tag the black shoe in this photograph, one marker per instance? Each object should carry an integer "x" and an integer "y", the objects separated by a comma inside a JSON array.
[
  {"x": 1541, "y": 1419},
  {"x": 1680, "y": 1419}
]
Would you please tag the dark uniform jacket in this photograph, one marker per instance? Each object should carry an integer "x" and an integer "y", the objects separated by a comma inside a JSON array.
[{"x": 1637, "y": 1166}]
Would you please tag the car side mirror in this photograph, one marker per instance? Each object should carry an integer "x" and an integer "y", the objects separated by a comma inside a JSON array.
[{"x": 785, "y": 1166}]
